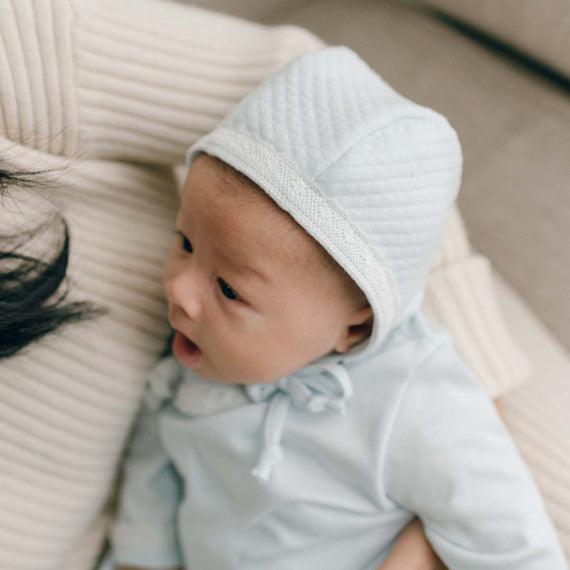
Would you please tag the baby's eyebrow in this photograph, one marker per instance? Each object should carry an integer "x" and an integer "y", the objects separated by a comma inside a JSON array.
[
  {"x": 244, "y": 269},
  {"x": 251, "y": 271}
]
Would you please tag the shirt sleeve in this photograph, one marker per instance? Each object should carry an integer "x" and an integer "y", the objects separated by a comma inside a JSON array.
[
  {"x": 138, "y": 81},
  {"x": 451, "y": 461},
  {"x": 144, "y": 533},
  {"x": 460, "y": 296}
]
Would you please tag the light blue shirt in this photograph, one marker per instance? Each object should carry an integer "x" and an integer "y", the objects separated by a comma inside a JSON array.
[{"x": 419, "y": 437}]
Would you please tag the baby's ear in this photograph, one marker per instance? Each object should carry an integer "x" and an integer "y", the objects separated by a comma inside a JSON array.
[{"x": 358, "y": 327}]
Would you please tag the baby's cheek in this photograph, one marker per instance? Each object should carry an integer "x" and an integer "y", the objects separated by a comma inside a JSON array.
[{"x": 257, "y": 362}]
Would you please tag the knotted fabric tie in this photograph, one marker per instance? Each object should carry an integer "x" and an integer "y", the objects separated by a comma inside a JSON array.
[
  {"x": 324, "y": 386},
  {"x": 162, "y": 381}
]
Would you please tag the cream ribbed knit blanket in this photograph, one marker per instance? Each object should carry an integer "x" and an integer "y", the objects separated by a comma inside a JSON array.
[{"x": 86, "y": 87}]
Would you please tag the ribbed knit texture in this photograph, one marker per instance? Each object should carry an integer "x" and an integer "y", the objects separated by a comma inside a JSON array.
[
  {"x": 88, "y": 80},
  {"x": 537, "y": 414},
  {"x": 66, "y": 403},
  {"x": 129, "y": 80}
]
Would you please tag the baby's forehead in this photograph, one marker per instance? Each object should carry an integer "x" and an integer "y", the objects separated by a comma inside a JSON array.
[
  {"x": 234, "y": 185},
  {"x": 248, "y": 225},
  {"x": 244, "y": 211}
]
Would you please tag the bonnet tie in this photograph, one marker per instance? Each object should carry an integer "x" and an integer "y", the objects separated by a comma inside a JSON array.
[
  {"x": 162, "y": 382},
  {"x": 324, "y": 386}
]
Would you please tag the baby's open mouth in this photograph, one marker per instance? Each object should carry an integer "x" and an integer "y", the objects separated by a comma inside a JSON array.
[{"x": 185, "y": 351}]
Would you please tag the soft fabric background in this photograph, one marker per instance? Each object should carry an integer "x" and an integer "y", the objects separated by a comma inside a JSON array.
[{"x": 95, "y": 79}]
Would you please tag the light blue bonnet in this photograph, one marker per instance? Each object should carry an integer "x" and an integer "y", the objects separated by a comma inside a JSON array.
[{"x": 369, "y": 174}]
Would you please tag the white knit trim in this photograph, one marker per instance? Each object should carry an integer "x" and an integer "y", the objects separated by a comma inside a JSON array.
[{"x": 323, "y": 219}]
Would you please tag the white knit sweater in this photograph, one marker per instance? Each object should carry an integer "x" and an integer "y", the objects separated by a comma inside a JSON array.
[{"x": 108, "y": 96}]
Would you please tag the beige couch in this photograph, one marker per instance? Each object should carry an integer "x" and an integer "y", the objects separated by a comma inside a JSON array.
[{"x": 500, "y": 72}]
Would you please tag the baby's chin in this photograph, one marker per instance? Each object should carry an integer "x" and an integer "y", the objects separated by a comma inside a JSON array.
[
  {"x": 236, "y": 379},
  {"x": 225, "y": 375},
  {"x": 247, "y": 379}
]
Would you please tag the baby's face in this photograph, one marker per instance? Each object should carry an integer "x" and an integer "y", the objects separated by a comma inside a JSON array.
[{"x": 246, "y": 293}]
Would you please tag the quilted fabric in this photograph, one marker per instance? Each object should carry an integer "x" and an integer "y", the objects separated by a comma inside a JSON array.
[{"x": 369, "y": 174}]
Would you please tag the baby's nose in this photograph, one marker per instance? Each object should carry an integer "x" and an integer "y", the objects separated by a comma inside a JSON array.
[{"x": 183, "y": 289}]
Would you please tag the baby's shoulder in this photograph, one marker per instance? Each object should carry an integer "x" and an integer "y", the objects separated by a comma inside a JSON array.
[{"x": 419, "y": 355}]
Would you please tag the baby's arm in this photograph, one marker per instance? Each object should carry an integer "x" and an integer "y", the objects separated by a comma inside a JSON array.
[
  {"x": 452, "y": 462},
  {"x": 144, "y": 533},
  {"x": 412, "y": 551}
]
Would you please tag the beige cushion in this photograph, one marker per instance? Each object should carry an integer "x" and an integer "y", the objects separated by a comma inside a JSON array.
[
  {"x": 256, "y": 10},
  {"x": 548, "y": 357},
  {"x": 537, "y": 413},
  {"x": 537, "y": 28},
  {"x": 513, "y": 125}
]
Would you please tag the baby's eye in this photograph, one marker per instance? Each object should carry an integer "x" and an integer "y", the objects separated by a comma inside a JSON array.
[
  {"x": 227, "y": 291},
  {"x": 186, "y": 245}
]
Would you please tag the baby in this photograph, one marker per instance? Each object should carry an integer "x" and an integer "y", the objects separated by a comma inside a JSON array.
[{"x": 309, "y": 411}]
